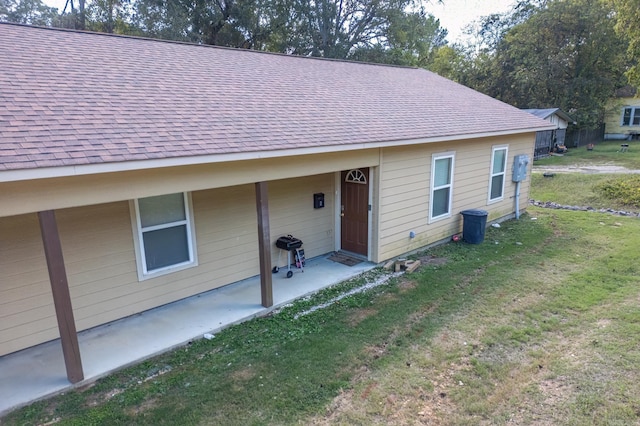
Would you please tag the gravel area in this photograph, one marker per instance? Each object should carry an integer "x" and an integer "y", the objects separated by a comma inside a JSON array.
[{"x": 552, "y": 205}]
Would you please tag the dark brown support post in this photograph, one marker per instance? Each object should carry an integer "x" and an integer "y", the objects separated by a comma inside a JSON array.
[
  {"x": 264, "y": 244},
  {"x": 61, "y": 296}
]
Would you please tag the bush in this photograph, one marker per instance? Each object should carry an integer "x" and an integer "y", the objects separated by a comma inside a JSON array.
[{"x": 624, "y": 190}]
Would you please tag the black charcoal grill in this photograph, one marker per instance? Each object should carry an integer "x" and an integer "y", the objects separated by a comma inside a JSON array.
[{"x": 290, "y": 244}]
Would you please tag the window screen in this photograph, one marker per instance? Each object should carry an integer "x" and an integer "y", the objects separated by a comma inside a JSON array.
[{"x": 165, "y": 233}]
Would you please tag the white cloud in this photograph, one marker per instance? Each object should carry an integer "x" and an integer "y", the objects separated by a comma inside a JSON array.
[{"x": 454, "y": 15}]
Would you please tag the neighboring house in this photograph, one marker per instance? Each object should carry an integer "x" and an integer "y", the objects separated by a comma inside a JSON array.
[
  {"x": 547, "y": 139},
  {"x": 622, "y": 119},
  {"x": 131, "y": 170}
]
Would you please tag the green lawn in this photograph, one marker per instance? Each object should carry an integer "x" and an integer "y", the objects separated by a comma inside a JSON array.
[
  {"x": 540, "y": 324},
  {"x": 617, "y": 191},
  {"x": 603, "y": 153}
]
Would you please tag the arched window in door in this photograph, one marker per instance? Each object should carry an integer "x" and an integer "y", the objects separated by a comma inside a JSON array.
[{"x": 356, "y": 176}]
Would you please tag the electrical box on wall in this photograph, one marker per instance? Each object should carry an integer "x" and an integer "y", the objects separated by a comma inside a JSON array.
[
  {"x": 318, "y": 200},
  {"x": 520, "y": 163}
]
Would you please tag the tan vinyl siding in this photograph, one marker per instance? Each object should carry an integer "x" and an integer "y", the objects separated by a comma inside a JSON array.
[
  {"x": 27, "y": 316},
  {"x": 613, "y": 116},
  {"x": 227, "y": 246},
  {"x": 292, "y": 212},
  {"x": 97, "y": 243},
  {"x": 405, "y": 190},
  {"x": 225, "y": 222}
]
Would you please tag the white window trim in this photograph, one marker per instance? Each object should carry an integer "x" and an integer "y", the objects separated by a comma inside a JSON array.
[
  {"x": 504, "y": 172},
  {"x": 635, "y": 112},
  {"x": 432, "y": 189},
  {"x": 141, "y": 263}
]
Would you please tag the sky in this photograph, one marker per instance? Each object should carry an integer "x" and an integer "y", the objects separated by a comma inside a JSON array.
[{"x": 454, "y": 15}]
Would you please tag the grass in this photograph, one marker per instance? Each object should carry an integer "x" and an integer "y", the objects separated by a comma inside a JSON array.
[
  {"x": 607, "y": 152},
  {"x": 538, "y": 325},
  {"x": 616, "y": 191},
  {"x": 573, "y": 189}
]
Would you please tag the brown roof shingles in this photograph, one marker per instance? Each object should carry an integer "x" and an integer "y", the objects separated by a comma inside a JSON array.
[{"x": 71, "y": 98}]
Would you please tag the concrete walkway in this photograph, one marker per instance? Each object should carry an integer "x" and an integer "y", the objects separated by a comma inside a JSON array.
[{"x": 38, "y": 372}]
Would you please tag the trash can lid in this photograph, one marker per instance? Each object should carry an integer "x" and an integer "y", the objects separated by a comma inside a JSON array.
[{"x": 474, "y": 212}]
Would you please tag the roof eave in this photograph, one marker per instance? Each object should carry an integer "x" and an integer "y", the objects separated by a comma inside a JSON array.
[
  {"x": 566, "y": 117},
  {"x": 127, "y": 166}
]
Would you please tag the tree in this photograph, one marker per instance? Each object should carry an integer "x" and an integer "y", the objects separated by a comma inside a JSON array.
[
  {"x": 33, "y": 12},
  {"x": 411, "y": 39},
  {"x": 564, "y": 54},
  {"x": 336, "y": 28},
  {"x": 72, "y": 16},
  {"x": 451, "y": 62},
  {"x": 627, "y": 13},
  {"x": 416, "y": 36},
  {"x": 110, "y": 16},
  {"x": 235, "y": 23}
]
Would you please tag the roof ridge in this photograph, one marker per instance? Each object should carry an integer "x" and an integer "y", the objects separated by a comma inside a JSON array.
[{"x": 186, "y": 43}]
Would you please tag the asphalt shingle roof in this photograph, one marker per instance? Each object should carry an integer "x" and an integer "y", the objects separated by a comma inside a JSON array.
[
  {"x": 544, "y": 113},
  {"x": 71, "y": 98}
]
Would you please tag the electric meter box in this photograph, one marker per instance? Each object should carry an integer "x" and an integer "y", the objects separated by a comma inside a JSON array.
[{"x": 520, "y": 163}]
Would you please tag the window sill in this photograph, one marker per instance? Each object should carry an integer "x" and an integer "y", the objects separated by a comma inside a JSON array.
[
  {"x": 438, "y": 218},
  {"x": 166, "y": 270}
]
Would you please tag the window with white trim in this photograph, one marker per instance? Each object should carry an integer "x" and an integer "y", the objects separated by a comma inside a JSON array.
[
  {"x": 165, "y": 237},
  {"x": 441, "y": 185},
  {"x": 631, "y": 116},
  {"x": 498, "y": 173}
]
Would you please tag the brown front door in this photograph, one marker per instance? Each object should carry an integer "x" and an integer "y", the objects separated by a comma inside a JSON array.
[{"x": 355, "y": 211}]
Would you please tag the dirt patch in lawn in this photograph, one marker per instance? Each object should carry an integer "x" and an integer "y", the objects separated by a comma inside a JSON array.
[
  {"x": 406, "y": 285},
  {"x": 433, "y": 260},
  {"x": 359, "y": 315},
  {"x": 586, "y": 169},
  {"x": 244, "y": 374}
]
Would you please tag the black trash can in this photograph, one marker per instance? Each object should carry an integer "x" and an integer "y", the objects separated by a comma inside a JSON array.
[{"x": 475, "y": 222}]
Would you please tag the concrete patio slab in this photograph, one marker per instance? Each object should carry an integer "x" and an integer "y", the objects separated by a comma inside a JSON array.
[{"x": 39, "y": 372}]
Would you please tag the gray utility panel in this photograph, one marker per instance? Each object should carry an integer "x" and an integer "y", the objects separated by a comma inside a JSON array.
[{"x": 520, "y": 163}]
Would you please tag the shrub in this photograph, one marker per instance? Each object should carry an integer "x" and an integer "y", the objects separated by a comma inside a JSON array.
[{"x": 624, "y": 190}]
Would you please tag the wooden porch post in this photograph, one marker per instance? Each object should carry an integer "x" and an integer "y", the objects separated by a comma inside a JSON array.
[
  {"x": 264, "y": 244},
  {"x": 61, "y": 296}
]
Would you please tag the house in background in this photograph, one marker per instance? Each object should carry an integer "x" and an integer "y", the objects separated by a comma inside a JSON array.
[
  {"x": 622, "y": 119},
  {"x": 137, "y": 172},
  {"x": 547, "y": 139}
]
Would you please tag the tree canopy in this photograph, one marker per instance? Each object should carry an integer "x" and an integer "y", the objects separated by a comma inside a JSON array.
[
  {"x": 33, "y": 12},
  {"x": 555, "y": 53},
  {"x": 627, "y": 14},
  {"x": 391, "y": 31}
]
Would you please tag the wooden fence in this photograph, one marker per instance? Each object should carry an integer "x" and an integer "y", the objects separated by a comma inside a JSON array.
[{"x": 582, "y": 137}]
